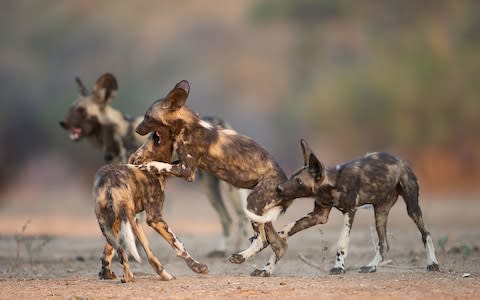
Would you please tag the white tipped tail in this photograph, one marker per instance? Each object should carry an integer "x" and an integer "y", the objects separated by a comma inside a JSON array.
[
  {"x": 269, "y": 216},
  {"x": 127, "y": 240}
]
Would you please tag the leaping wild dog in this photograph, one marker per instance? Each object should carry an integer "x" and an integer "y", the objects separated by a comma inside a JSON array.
[
  {"x": 92, "y": 117},
  {"x": 121, "y": 191},
  {"x": 377, "y": 179},
  {"x": 232, "y": 157}
]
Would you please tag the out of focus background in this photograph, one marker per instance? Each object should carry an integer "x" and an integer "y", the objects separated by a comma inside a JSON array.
[{"x": 350, "y": 77}]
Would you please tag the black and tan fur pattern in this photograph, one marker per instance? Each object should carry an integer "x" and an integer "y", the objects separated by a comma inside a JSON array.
[
  {"x": 121, "y": 191},
  {"x": 230, "y": 156},
  {"x": 92, "y": 117},
  {"x": 377, "y": 179}
]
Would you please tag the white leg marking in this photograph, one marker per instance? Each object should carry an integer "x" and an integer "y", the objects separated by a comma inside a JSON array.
[
  {"x": 286, "y": 229},
  {"x": 159, "y": 166},
  {"x": 377, "y": 259},
  {"x": 256, "y": 245},
  {"x": 342, "y": 245},
  {"x": 431, "y": 258}
]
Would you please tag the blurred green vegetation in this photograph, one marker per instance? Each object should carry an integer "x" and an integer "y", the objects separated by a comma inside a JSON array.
[
  {"x": 350, "y": 76},
  {"x": 379, "y": 73}
]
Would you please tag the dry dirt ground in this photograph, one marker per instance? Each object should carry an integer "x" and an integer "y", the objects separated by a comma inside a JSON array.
[{"x": 57, "y": 255}]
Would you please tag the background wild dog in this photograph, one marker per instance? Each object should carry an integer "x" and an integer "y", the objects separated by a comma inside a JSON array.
[
  {"x": 121, "y": 191},
  {"x": 232, "y": 157},
  {"x": 377, "y": 179},
  {"x": 92, "y": 117}
]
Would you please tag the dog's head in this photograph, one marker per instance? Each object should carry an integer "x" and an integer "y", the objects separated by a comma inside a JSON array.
[
  {"x": 305, "y": 181},
  {"x": 167, "y": 110},
  {"x": 158, "y": 147},
  {"x": 85, "y": 116}
]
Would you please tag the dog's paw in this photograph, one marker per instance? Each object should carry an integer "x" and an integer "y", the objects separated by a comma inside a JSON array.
[
  {"x": 217, "y": 254},
  {"x": 368, "y": 269},
  {"x": 165, "y": 276},
  {"x": 236, "y": 258},
  {"x": 200, "y": 268},
  {"x": 106, "y": 274},
  {"x": 336, "y": 271},
  {"x": 433, "y": 268},
  {"x": 260, "y": 273},
  {"x": 127, "y": 277}
]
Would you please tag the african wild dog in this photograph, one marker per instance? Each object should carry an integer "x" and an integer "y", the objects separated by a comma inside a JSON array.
[
  {"x": 92, "y": 117},
  {"x": 232, "y": 157},
  {"x": 121, "y": 191},
  {"x": 377, "y": 179}
]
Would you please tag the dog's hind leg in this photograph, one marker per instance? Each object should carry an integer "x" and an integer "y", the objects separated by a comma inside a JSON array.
[
  {"x": 211, "y": 186},
  {"x": 237, "y": 197},
  {"x": 279, "y": 247},
  {"x": 127, "y": 274},
  {"x": 409, "y": 190},
  {"x": 415, "y": 214},
  {"x": 154, "y": 262},
  {"x": 107, "y": 255},
  {"x": 381, "y": 216},
  {"x": 342, "y": 245},
  {"x": 164, "y": 230}
]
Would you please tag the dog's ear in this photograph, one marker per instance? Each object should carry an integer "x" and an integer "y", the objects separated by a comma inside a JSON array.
[
  {"x": 316, "y": 168},
  {"x": 306, "y": 151},
  {"x": 105, "y": 88},
  {"x": 82, "y": 90},
  {"x": 177, "y": 97}
]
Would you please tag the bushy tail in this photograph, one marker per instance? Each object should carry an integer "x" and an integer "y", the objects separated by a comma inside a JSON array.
[
  {"x": 127, "y": 240},
  {"x": 409, "y": 188}
]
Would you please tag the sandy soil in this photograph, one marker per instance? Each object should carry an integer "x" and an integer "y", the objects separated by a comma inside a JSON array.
[{"x": 56, "y": 257}]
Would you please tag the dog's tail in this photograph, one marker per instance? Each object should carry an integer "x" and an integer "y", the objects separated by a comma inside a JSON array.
[
  {"x": 409, "y": 188},
  {"x": 127, "y": 240},
  {"x": 269, "y": 216}
]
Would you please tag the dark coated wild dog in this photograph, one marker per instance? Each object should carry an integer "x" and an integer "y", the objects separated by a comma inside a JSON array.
[
  {"x": 92, "y": 117},
  {"x": 377, "y": 179},
  {"x": 121, "y": 191},
  {"x": 230, "y": 156}
]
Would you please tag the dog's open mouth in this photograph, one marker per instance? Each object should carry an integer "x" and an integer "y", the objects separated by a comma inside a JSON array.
[
  {"x": 75, "y": 133},
  {"x": 157, "y": 138}
]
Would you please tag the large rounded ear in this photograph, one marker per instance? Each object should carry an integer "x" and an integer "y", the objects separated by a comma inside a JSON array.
[
  {"x": 316, "y": 168},
  {"x": 105, "y": 88},
  {"x": 177, "y": 97},
  {"x": 306, "y": 151},
  {"x": 82, "y": 90}
]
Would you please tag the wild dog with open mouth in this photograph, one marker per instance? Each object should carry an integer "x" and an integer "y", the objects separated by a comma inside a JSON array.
[
  {"x": 92, "y": 117},
  {"x": 230, "y": 156},
  {"x": 121, "y": 191},
  {"x": 377, "y": 179}
]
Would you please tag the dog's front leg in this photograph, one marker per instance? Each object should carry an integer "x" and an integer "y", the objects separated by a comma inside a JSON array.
[
  {"x": 343, "y": 241},
  {"x": 319, "y": 215}
]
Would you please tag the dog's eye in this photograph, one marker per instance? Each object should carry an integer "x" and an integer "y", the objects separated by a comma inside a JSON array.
[
  {"x": 81, "y": 110},
  {"x": 298, "y": 181}
]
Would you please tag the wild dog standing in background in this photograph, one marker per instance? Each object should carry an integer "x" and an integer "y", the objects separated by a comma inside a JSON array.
[
  {"x": 230, "y": 156},
  {"x": 377, "y": 179},
  {"x": 121, "y": 191},
  {"x": 92, "y": 117}
]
